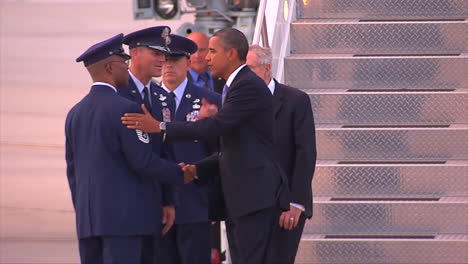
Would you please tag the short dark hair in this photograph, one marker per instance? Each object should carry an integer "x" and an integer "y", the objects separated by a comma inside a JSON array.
[{"x": 232, "y": 38}]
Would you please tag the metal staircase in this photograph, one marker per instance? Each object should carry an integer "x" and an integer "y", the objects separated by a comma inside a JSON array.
[{"x": 388, "y": 82}]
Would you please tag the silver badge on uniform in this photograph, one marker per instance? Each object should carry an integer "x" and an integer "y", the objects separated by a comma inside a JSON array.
[
  {"x": 143, "y": 136},
  {"x": 162, "y": 97},
  {"x": 188, "y": 96}
]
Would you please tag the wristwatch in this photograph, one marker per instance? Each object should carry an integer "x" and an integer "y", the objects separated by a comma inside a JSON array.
[{"x": 162, "y": 127}]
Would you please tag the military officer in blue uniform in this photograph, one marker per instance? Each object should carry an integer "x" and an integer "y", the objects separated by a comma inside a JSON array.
[
  {"x": 188, "y": 242},
  {"x": 148, "y": 48},
  {"x": 112, "y": 172}
]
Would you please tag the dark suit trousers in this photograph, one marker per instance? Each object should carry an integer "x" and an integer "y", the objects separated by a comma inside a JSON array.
[
  {"x": 249, "y": 235},
  {"x": 117, "y": 250},
  {"x": 186, "y": 244},
  {"x": 284, "y": 243}
]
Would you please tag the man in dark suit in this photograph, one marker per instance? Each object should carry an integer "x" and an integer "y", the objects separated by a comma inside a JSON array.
[
  {"x": 112, "y": 171},
  {"x": 296, "y": 153},
  {"x": 199, "y": 73},
  {"x": 148, "y": 48},
  {"x": 254, "y": 189},
  {"x": 188, "y": 241}
]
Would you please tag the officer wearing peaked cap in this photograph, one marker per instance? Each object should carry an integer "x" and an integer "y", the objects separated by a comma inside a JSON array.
[
  {"x": 111, "y": 170},
  {"x": 189, "y": 239},
  {"x": 148, "y": 48}
]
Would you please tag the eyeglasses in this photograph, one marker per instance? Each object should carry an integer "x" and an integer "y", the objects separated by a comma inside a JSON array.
[{"x": 125, "y": 61}]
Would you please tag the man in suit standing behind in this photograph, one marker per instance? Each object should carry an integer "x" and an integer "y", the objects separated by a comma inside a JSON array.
[
  {"x": 188, "y": 241},
  {"x": 295, "y": 151},
  {"x": 254, "y": 189},
  {"x": 199, "y": 73}
]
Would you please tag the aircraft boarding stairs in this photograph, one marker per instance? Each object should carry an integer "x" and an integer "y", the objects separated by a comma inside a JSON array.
[{"x": 388, "y": 82}]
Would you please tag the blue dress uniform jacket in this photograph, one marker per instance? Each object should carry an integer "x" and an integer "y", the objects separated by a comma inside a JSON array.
[
  {"x": 193, "y": 199},
  {"x": 131, "y": 92},
  {"x": 251, "y": 179},
  {"x": 112, "y": 171}
]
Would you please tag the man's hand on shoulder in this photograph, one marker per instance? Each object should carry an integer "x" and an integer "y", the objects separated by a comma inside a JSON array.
[{"x": 144, "y": 122}]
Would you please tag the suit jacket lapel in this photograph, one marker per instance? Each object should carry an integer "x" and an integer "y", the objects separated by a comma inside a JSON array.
[
  {"x": 155, "y": 91},
  {"x": 185, "y": 105},
  {"x": 132, "y": 89},
  {"x": 278, "y": 98}
]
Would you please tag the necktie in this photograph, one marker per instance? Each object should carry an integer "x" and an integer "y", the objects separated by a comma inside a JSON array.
[
  {"x": 206, "y": 80},
  {"x": 146, "y": 100},
  {"x": 172, "y": 105},
  {"x": 223, "y": 95}
]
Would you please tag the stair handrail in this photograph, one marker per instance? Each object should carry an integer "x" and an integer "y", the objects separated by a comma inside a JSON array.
[
  {"x": 260, "y": 25},
  {"x": 279, "y": 35}
]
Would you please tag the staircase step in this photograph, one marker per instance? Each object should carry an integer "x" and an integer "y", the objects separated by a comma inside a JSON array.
[
  {"x": 358, "y": 37},
  {"x": 398, "y": 179},
  {"x": 389, "y": 144},
  {"x": 328, "y": 71},
  {"x": 383, "y": 215},
  {"x": 446, "y": 249},
  {"x": 383, "y": 9},
  {"x": 348, "y": 107}
]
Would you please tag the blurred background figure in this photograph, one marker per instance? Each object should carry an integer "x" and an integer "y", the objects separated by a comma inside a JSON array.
[{"x": 199, "y": 73}]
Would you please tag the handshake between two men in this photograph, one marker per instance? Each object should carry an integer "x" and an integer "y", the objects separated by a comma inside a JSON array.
[{"x": 145, "y": 122}]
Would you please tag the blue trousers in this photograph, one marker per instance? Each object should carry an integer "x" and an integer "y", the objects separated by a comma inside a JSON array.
[
  {"x": 117, "y": 250},
  {"x": 186, "y": 244}
]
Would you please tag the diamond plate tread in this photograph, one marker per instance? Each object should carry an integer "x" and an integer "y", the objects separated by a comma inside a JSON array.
[
  {"x": 388, "y": 217},
  {"x": 391, "y": 180},
  {"x": 353, "y": 37},
  {"x": 392, "y": 143},
  {"x": 327, "y": 71},
  {"x": 440, "y": 250},
  {"x": 383, "y": 9},
  {"x": 404, "y": 108}
]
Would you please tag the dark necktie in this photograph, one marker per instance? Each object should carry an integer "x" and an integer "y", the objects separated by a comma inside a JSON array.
[
  {"x": 206, "y": 80},
  {"x": 172, "y": 105},
  {"x": 146, "y": 99}
]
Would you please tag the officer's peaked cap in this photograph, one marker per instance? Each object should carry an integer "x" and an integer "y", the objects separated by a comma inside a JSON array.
[
  {"x": 102, "y": 50},
  {"x": 181, "y": 46},
  {"x": 154, "y": 37}
]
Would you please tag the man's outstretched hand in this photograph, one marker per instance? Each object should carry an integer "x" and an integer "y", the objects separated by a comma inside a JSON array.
[
  {"x": 144, "y": 122},
  {"x": 190, "y": 172},
  {"x": 208, "y": 109}
]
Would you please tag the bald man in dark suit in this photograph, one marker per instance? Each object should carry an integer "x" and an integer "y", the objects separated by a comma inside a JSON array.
[{"x": 295, "y": 151}]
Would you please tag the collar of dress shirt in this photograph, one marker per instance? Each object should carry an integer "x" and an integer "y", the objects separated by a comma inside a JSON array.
[
  {"x": 140, "y": 86},
  {"x": 271, "y": 86},
  {"x": 233, "y": 75},
  {"x": 178, "y": 91},
  {"x": 194, "y": 75},
  {"x": 105, "y": 84}
]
